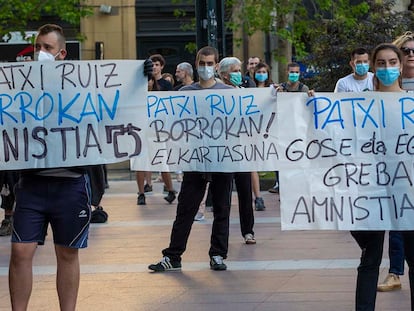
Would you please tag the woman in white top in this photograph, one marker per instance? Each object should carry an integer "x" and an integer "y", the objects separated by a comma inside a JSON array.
[{"x": 387, "y": 64}]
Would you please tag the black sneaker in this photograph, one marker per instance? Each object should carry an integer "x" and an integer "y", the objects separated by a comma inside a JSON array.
[
  {"x": 217, "y": 264},
  {"x": 147, "y": 188},
  {"x": 170, "y": 197},
  {"x": 165, "y": 265},
  {"x": 141, "y": 199},
  {"x": 259, "y": 204}
]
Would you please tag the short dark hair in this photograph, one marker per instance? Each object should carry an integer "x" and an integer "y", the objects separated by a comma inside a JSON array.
[
  {"x": 359, "y": 51},
  {"x": 158, "y": 58},
  {"x": 208, "y": 50},
  {"x": 48, "y": 28},
  {"x": 292, "y": 64}
]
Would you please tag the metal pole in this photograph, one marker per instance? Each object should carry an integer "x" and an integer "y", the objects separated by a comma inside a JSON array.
[
  {"x": 210, "y": 24},
  {"x": 201, "y": 23},
  {"x": 221, "y": 33}
]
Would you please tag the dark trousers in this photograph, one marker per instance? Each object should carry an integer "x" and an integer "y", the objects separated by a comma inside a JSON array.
[
  {"x": 191, "y": 193},
  {"x": 371, "y": 244},
  {"x": 243, "y": 183},
  {"x": 96, "y": 175},
  {"x": 408, "y": 238},
  {"x": 396, "y": 252}
]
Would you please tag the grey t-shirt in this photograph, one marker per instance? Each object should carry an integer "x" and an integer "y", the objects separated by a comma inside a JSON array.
[{"x": 196, "y": 86}]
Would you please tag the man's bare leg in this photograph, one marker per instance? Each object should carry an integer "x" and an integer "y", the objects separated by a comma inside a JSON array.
[
  {"x": 166, "y": 178},
  {"x": 21, "y": 274},
  {"x": 148, "y": 178},
  {"x": 67, "y": 277},
  {"x": 140, "y": 179}
]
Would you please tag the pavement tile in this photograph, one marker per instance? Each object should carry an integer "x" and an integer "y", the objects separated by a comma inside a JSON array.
[{"x": 284, "y": 271}]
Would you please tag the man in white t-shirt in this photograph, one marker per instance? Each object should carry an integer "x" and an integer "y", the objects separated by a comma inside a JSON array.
[{"x": 360, "y": 79}]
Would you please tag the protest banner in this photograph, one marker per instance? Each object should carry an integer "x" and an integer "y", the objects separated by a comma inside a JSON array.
[
  {"x": 213, "y": 130},
  {"x": 346, "y": 161},
  {"x": 70, "y": 113}
]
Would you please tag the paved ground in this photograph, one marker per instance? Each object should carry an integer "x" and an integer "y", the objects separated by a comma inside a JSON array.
[{"x": 284, "y": 271}]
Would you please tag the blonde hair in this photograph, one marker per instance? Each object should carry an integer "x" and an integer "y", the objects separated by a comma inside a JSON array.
[
  {"x": 169, "y": 77},
  {"x": 405, "y": 37}
]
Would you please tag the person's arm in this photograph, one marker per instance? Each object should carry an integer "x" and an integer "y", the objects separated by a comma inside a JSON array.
[
  {"x": 306, "y": 90},
  {"x": 280, "y": 87}
]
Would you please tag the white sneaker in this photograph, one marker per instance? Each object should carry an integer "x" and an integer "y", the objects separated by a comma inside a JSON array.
[
  {"x": 199, "y": 216},
  {"x": 391, "y": 282},
  {"x": 249, "y": 239},
  {"x": 179, "y": 177}
]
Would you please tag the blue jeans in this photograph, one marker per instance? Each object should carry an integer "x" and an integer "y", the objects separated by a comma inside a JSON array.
[{"x": 396, "y": 252}]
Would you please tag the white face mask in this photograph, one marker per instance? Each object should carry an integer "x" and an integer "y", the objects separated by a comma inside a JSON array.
[
  {"x": 205, "y": 72},
  {"x": 42, "y": 56}
]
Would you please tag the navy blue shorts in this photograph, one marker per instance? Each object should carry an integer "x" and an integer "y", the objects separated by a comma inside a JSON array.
[{"x": 61, "y": 201}]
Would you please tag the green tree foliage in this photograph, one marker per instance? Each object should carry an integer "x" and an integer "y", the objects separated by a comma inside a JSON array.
[
  {"x": 332, "y": 40},
  {"x": 16, "y": 14},
  {"x": 322, "y": 33}
]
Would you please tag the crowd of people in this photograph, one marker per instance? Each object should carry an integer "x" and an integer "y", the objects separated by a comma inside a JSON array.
[{"x": 36, "y": 198}]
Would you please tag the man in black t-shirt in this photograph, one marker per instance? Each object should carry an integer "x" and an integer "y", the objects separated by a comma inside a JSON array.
[{"x": 158, "y": 63}]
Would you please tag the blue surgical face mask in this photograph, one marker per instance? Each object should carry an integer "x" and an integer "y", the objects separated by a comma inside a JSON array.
[
  {"x": 361, "y": 69},
  {"x": 387, "y": 76},
  {"x": 235, "y": 78},
  {"x": 293, "y": 77},
  {"x": 261, "y": 76}
]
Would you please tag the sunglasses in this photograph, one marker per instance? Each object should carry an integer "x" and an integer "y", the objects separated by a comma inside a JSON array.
[{"x": 407, "y": 51}]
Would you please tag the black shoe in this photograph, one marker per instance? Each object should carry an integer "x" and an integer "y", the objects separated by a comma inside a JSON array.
[
  {"x": 99, "y": 216},
  {"x": 147, "y": 188},
  {"x": 141, "y": 199},
  {"x": 165, "y": 265},
  {"x": 170, "y": 197},
  {"x": 259, "y": 204},
  {"x": 217, "y": 264}
]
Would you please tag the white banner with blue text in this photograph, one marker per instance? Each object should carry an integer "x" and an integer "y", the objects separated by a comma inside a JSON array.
[{"x": 70, "y": 113}]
